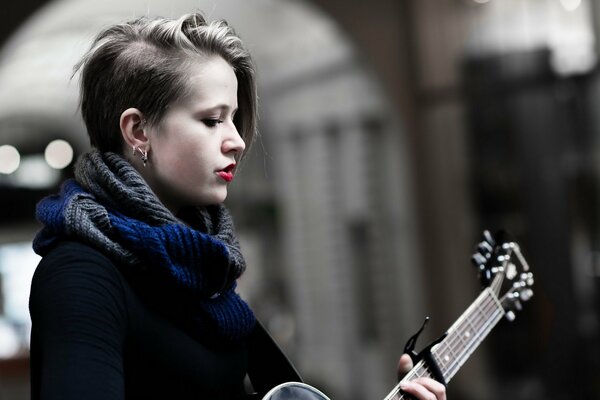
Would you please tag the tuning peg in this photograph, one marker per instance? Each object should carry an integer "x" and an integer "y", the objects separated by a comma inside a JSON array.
[
  {"x": 527, "y": 277},
  {"x": 485, "y": 248},
  {"x": 478, "y": 260},
  {"x": 510, "y": 315},
  {"x": 518, "y": 305},
  {"x": 526, "y": 294},
  {"x": 502, "y": 257},
  {"x": 485, "y": 276},
  {"x": 487, "y": 236}
]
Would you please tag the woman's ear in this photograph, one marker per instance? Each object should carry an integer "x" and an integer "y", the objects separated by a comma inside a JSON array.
[{"x": 132, "y": 124}]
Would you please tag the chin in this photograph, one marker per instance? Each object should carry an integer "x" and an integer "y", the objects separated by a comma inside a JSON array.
[{"x": 212, "y": 200}]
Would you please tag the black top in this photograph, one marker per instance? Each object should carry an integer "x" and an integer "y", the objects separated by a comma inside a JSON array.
[{"x": 94, "y": 338}]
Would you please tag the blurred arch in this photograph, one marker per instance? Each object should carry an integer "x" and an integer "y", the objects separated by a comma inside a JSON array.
[{"x": 339, "y": 177}]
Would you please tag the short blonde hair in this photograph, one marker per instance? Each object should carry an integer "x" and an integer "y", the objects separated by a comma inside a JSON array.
[{"x": 143, "y": 64}]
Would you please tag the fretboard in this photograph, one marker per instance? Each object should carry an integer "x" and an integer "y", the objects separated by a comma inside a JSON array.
[{"x": 464, "y": 336}]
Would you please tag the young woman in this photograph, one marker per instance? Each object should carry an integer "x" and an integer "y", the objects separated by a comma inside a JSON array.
[{"x": 135, "y": 295}]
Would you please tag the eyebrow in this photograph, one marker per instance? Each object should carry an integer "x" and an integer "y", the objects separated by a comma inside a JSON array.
[{"x": 219, "y": 107}]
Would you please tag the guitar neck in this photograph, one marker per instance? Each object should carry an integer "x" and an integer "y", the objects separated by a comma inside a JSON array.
[
  {"x": 467, "y": 333},
  {"x": 464, "y": 336},
  {"x": 495, "y": 262}
]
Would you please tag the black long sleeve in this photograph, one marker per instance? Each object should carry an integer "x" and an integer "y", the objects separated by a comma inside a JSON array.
[{"x": 93, "y": 338}]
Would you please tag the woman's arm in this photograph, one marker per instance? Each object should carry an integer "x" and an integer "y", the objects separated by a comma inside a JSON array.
[{"x": 79, "y": 323}]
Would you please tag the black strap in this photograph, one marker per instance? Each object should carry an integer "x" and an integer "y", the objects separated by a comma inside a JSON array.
[{"x": 268, "y": 366}]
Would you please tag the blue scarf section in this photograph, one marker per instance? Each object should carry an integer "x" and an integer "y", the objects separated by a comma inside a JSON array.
[{"x": 119, "y": 215}]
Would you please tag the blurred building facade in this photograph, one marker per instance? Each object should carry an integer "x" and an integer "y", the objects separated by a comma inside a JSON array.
[{"x": 392, "y": 133}]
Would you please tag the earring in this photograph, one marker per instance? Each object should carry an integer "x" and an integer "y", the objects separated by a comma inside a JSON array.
[{"x": 144, "y": 154}]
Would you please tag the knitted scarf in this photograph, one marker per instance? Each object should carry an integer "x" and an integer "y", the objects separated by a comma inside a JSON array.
[{"x": 111, "y": 208}]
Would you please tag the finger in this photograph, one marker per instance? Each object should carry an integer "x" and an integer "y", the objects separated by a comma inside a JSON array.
[
  {"x": 417, "y": 390},
  {"x": 405, "y": 364},
  {"x": 425, "y": 389}
]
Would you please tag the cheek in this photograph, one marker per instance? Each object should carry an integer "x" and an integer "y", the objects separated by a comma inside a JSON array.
[
  {"x": 183, "y": 163},
  {"x": 181, "y": 152},
  {"x": 173, "y": 148}
]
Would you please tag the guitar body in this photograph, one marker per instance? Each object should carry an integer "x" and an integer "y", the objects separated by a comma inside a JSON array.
[{"x": 294, "y": 391}]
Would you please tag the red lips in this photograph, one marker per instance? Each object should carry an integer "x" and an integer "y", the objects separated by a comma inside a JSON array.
[{"x": 227, "y": 173}]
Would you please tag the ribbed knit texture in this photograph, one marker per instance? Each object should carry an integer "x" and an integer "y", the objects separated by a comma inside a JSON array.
[{"x": 110, "y": 207}]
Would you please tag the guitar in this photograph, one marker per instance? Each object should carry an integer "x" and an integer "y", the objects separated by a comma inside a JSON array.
[{"x": 506, "y": 282}]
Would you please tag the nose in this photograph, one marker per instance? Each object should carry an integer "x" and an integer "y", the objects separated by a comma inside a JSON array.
[{"x": 233, "y": 142}]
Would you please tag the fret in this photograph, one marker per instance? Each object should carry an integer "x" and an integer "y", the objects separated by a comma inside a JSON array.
[
  {"x": 467, "y": 333},
  {"x": 474, "y": 344},
  {"x": 473, "y": 326},
  {"x": 418, "y": 371},
  {"x": 446, "y": 355},
  {"x": 464, "y": 336}
]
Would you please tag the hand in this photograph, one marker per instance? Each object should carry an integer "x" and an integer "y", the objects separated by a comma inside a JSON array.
[{"x": 421, "y": 388}]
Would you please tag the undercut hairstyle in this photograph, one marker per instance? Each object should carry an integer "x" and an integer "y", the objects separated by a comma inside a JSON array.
[{"x": 145, "y": 64}]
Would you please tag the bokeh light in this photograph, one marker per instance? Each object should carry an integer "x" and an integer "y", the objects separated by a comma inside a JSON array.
[
  {"x": 58, "y": 154},
  {"x": 570, "y": 5},
  {"x": 9, "y": 159}
]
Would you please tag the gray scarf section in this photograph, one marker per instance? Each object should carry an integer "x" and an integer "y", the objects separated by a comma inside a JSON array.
[{"x": 113, "y": 184}]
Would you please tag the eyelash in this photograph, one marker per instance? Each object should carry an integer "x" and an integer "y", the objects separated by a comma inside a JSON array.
[{"x": 211, "y": 122}]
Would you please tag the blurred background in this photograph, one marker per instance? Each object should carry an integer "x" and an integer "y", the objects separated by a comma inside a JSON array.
[{"x": 392, "y": 133}]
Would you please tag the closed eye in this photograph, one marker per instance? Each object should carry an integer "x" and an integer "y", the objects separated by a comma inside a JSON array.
[{"x": 211, "y": 122}]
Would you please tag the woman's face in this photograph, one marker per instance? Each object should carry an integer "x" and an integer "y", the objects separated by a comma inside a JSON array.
[{"x": 193, "y": 149}]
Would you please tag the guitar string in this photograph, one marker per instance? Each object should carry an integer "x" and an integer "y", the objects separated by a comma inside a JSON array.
[
  {"x": 492, "y": 313},
  {"x": 486, "y": 302},
  {"x": 419, "y": 371},
  {"x": 457, "y": 334},
  {"x": 481, "y": 324},
  {"x": 449, "y": 371},
  {"x": 480, "y": 321},
  {"x": 473, "y": 322},
  {"x": 461, "y": 341}
]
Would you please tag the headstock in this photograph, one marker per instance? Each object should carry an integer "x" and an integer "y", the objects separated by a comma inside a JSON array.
[{"x": 503, "y": 268}]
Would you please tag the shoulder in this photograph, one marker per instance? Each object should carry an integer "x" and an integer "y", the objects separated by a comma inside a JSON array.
[
  {"x": 75, "y": 258},
  {"x": 69, "y": 250},
  {"x": 77, "y": 274}
]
